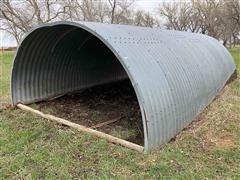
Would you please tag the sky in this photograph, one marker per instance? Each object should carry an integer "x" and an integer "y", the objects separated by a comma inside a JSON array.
[{"x": 147, "y": 5}]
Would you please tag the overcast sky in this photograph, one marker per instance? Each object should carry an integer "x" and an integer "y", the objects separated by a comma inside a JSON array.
[{"x": 146, "y": 5}]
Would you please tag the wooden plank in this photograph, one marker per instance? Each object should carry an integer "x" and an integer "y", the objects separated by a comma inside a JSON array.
[
  {"x": 105, "y": 123},
  {"x": 108, "y": 137}
]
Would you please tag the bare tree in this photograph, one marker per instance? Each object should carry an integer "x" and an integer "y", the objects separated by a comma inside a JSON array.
[
  {"x": 217, "y": 18},
  {"x": 232, "y": 19},
  {"x": 210, "y": 16},
  {"x": 113, "y": 4},
  {"x": 177, "y": 15},
  {"x": 233, "y": 8},
  {"x": 121, "y": 11},
  {"x": 112, "y": 11},
  {"x": 220, "y": 19},
  {"x": 83, "y": 10},
  {"x": 144, "y": 19},
  {"x": 93, "y": 10},
  {"x": 11, "y": 30},
  {"x": 20, "y": 16}
]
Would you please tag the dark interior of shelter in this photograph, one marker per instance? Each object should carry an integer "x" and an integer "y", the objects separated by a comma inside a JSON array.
[{"x": 81, "y": 80}]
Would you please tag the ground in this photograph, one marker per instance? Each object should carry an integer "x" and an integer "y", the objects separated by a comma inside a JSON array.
[
  {"x": 32, "y": 148},
  {"x": 91, "y": 107}
]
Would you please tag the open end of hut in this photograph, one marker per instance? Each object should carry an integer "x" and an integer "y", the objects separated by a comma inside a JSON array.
[{"x": 67, "y": 60}]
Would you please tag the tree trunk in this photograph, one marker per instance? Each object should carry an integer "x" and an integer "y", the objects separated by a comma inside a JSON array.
[
  {"x": 225, "y": 42},
  {"x": 230, "y": 41}
]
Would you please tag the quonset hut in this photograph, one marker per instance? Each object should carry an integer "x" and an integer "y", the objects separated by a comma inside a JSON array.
[{"x": 175, "y": 75}]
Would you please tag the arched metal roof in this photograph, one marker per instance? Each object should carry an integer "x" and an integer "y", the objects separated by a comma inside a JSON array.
[{"x": 175, "y": 74}]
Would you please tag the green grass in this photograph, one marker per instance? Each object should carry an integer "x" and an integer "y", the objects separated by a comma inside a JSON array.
[
  {"x": 33, "y": 148},
  {"x": 236, "y": 54},
  {"x": 5, "y": 71}
]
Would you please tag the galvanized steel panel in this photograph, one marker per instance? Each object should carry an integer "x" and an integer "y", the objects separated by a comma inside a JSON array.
[{"x": 175, "y": 74}]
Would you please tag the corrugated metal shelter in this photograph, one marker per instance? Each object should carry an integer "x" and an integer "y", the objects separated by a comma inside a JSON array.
[{"x": 175, "y": 74}]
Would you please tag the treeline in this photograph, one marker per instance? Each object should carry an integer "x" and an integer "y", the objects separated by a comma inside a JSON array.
[{"x": 217, "y": 18}]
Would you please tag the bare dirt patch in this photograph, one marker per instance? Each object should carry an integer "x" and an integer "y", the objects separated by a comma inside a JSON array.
[
  {"x": 100, "y": 104},
  {"x": 222, "y": 142}
]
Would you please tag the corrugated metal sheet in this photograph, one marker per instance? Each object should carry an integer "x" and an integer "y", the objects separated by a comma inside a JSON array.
[{"x": 175, "y": 74}]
